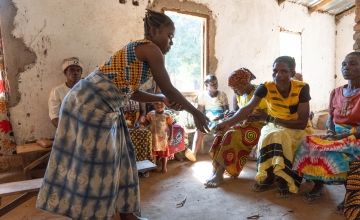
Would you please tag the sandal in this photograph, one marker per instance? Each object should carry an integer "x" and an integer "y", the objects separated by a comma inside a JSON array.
[
  {"x": 340, "y": 207},
  {"x": 261, "y": 187},
  {"x": 312, "y": 196},
  {"x": 283, "y": 193}
]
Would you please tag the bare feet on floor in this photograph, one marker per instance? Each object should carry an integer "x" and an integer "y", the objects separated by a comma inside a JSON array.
[{"x": 215, "y": 181}]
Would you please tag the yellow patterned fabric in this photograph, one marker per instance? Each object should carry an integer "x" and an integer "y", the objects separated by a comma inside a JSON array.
[
  {"x": 231, "y": 150},
  {"x": 279, "y": 106},
  {"x": 125, "y": 70},
  {"x": 142, "y": 140},
  {"x": 277, "y": 146},
  {"x": 244, "y": 99}
]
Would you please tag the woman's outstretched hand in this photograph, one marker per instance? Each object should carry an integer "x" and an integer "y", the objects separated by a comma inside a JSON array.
[
  {"x": 201, "y": 121},
  {"x": 222, "y": 127}
]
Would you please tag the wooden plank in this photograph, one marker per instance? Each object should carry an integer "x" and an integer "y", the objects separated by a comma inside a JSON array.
[
  {"x": 36, "y": 162},
  {"x": 20, "y": 187},
  {"x": 144, "y": 166},
  {"x": 319, "y": 5},
  {"x": 16, "y": 202},
  {"x": 33, "y": 147}
]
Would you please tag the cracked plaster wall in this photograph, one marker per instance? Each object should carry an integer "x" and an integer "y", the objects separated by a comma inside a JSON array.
[
  {"x": 344, "y": 43},
  {"x": 246, "y": 33}
]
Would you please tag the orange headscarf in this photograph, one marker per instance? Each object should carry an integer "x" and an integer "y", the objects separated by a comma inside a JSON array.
[{"x": 241, "y": 76}]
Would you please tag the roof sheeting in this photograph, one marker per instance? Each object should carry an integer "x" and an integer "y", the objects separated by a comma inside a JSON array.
[{"x": 331, "y": 6}]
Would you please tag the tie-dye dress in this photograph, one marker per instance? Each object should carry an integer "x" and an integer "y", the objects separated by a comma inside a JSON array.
[
  {"x": 336, "y": 160},
  {"x": 92, "y": 172}
]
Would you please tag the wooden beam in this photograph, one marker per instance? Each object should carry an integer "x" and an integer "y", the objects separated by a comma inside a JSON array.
[
  {"x": 344, "y": 13},
  {"x": 281, "y": 1},
  {"x": 318, "y": 5}
]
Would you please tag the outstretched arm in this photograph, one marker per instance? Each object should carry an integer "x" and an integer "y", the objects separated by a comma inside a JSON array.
[
  {"x": 154, "y": 57},
  {"x": 240, "y": 114},
  {"x": 141, "y": 96}
]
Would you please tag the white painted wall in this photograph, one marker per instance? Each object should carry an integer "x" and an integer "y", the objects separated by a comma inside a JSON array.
[
  {"x": 247, "y": 35},
  {"x": 344, "y": 44}
]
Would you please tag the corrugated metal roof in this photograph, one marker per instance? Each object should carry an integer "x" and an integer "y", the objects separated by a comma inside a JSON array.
[{"x": 333, "y": 6}]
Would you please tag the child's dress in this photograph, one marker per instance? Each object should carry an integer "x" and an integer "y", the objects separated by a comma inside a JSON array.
[{"x": 159, "y": 126}]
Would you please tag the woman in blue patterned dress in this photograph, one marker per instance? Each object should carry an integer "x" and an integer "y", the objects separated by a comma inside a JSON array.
[{"x": 91, "y": 172}]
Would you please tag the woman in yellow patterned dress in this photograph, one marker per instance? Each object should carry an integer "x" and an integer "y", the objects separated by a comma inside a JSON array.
[
  {"x": 288, "y": 113},
  {"x": 231, "y": 150}
]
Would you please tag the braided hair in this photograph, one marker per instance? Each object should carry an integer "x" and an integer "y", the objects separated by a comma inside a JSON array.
[
  {"x": 155, "y": 19},
  {"x": 290, "y": 61}
]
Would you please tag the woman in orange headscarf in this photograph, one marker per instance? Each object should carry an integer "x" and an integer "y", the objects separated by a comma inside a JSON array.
[{"x": 231, "y": 149}]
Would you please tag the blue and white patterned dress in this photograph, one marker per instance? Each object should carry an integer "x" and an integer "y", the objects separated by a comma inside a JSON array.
[{"x": 92, "y": 172}]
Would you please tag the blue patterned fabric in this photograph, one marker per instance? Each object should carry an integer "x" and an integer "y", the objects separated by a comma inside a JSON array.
[{"x": 91, "y": 172}]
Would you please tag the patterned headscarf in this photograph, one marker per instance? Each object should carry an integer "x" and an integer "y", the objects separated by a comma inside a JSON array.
[{"x": 241, "y": 76}]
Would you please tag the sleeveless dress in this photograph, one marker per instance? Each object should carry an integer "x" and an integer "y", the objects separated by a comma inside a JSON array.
[{"x": 92, "y": 172}]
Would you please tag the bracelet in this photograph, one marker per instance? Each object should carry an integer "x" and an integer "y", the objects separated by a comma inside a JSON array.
[{"x": 269, "y": 119}]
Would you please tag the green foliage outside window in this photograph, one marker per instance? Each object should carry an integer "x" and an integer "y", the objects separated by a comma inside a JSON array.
[{"x": 184, "y": 62}]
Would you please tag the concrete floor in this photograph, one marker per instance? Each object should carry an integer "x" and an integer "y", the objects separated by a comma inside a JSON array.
[{"x": 160, "y": 194}]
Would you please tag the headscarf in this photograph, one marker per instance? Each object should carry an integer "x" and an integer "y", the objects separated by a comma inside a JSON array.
[{"x": 241, "y": 76}]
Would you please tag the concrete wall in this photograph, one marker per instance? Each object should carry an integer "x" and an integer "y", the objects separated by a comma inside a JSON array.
[
  {"x": 247, "y": 34},
  {"x": 344, "y": 43}
]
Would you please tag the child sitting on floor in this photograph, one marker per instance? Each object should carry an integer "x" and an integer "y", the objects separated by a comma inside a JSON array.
[{"x": 161, "y": 128}]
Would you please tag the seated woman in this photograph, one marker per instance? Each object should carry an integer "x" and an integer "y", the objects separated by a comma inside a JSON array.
[
  {"x": 230, "y": 151},
  {"x": 335, "y": 157},
  {"x": 288, "y": 112},
  {"x": 213, "y": 103}
]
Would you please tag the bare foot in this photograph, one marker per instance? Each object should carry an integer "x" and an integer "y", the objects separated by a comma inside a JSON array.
[
  {"x": 214, "y": 182},
  {"x": 164, "y": 170},
  {"x": 210, "y": 178}
]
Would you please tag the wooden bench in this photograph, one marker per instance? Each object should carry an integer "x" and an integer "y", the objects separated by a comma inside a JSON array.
[
  {"x": 32, "y": 148},
  {"x": 30, "y": 188}
]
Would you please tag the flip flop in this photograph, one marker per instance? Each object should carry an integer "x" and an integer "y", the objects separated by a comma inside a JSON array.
[
  {"x": 340, "y": 208},
  {"x": 190, "y": 155},
  {"x": 312, "y": 197},
  {"x": 261, "y": 187},
  {"x": 283, "y": 193}
]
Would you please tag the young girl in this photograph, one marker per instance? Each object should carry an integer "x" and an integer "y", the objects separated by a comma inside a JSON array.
[
  {"x": 92, "y": 172},
  {"x": 161, "y": 128}
]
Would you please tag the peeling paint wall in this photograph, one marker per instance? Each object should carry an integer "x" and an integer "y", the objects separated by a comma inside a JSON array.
[
  {"x": 245, "y": 33},
  {"x": 344, "y": 44},
  {"x": 18, "y": 56}
]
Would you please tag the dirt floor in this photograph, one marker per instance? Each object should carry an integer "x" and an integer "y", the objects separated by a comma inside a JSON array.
[{"x": 161, "y": 193}]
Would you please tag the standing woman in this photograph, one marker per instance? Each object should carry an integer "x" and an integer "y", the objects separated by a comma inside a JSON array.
[
  {"x": 92, "y": 172},
  {"x": 288, "y": 112}
]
